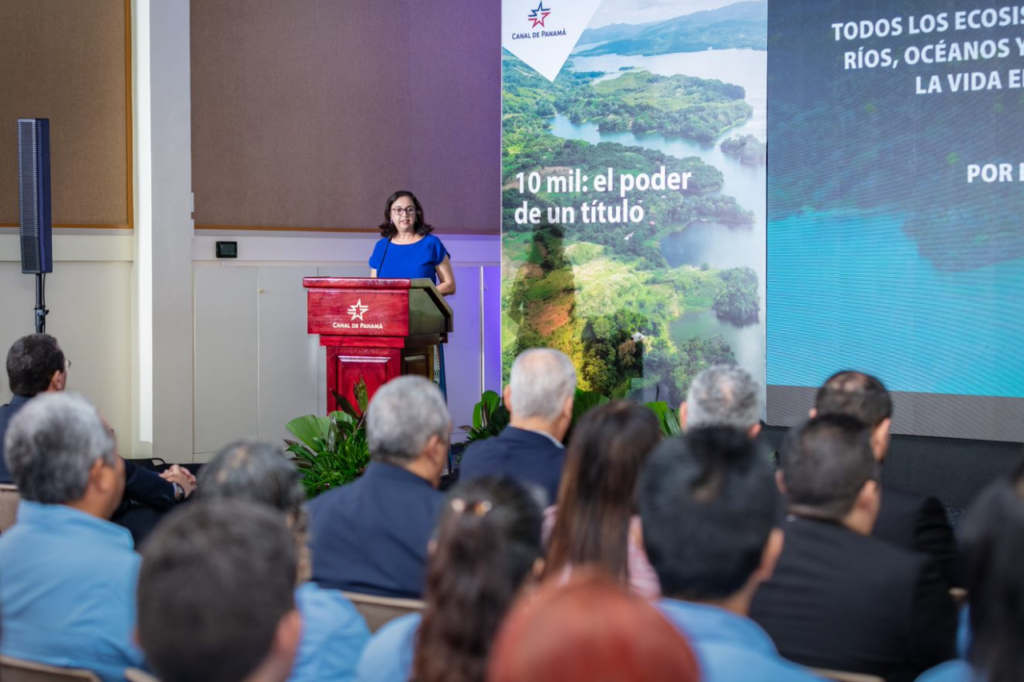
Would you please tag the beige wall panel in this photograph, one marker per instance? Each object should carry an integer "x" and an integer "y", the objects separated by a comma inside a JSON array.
[
  {"x": 90, "y": 306},
  {"x": 310, "y": 113},
  {"x": 65, "y": 60},
  {"x": 226, "y": 367},
  {"x": 292, "y": 121},
  {"x": 288, "y": 356}
]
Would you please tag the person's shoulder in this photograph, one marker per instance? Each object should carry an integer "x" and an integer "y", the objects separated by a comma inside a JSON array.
[
  {"x": 389, "y": 653},
  {"x": 950, "y": 671},
  {"x": 331, "y": 498},
  {"x": 434, "y": 243},
  {"x": 329, "y": 611}
]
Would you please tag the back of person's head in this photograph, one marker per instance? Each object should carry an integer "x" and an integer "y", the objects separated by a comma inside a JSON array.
[
  {"x": 32, "y": 362},
  {"x": 56, "y": 446},
  {"x": 487, "y": 545},
  {"x": 403, "y": 416},
  {"x": 856, "y": 395},
  {"x": 826, "y": 462},
  {"x": 724, "y": 395},
  {"x": 216, "y": 594},
  {"x": 540, "y": 382},
  {"x": 994, "y": 557},
  {"x": 608, "y": 448},
  {"x": 590, "y": 628},
  {"x": 257, "y": 472},
  {"x": 260, "y": 473},
  {"x": 708, "y": 503}
]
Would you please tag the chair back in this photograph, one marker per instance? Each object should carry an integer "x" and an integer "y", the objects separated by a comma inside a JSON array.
[
  {"x": 17, "y": 670},
  {"x": 843, "y": 676},
  {"x": 379, "y": 610},
  {"x": 9, "y": 500}
]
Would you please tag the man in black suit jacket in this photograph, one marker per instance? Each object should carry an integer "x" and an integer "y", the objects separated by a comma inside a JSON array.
[
  {"x": 539, "y": 397},
  {"x": 839, "y": 598},
  {"x": 906, "y": 519},
  {"x": 35, "y": 365},
  {"x": 371, "y": 536}
]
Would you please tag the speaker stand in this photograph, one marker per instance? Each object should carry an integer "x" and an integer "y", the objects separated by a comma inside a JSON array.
[{"x": 41, "y": 311}]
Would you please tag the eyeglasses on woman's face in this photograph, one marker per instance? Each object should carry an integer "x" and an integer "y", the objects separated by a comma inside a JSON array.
[{"x": 408, "y": 210}]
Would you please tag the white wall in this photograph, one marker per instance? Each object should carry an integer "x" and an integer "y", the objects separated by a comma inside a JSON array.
[
  {"x": 171, "y": 243},
  {"x": 89, "y": 298}
]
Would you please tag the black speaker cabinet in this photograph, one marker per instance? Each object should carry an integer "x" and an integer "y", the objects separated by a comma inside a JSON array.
[{"x": 34, "y": 195}]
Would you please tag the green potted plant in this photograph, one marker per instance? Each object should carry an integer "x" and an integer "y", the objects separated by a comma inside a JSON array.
[{"x": 331, "y": 450}]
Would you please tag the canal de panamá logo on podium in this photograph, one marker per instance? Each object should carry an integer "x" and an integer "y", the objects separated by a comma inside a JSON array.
[{"x": 357, "y": 309}]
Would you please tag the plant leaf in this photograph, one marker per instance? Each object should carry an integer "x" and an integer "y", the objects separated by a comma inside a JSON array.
[
  {"x": 308, "y": 428},
  {"x": 362, "y": 396}
]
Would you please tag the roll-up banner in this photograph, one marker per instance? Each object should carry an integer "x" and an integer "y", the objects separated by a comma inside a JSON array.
[{"x": 633, "y": 188}]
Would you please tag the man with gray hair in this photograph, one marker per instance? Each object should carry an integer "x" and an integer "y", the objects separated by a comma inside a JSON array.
[
  {"x": 539, "y": 398},
  {"x": 67, "y": 575},
  {"x": 371, "y": 536},
  {"x": 723, "y": 395}
]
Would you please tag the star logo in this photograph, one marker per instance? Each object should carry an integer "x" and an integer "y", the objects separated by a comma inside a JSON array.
[
  {"x": 538, "y": 15},
  {"x": 357, "y": 309}
]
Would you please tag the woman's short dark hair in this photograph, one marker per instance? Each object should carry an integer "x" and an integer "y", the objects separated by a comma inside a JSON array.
[
  {"x": 488, "y": 540},
  {"x": 596, "y": 497},
  {"x": 388, "y": 229},
  {"x": 994, "y": 554},
  {"x": 31, "y": 363}
]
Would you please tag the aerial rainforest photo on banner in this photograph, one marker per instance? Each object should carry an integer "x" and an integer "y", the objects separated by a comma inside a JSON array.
[{"x": 633, "y": 189}]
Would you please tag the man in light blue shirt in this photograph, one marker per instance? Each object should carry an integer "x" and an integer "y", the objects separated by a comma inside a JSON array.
[
  {"x": 333, "y": 631},
  {"x": 710, "y": 509},
  {"x": 67, "y": 575}
]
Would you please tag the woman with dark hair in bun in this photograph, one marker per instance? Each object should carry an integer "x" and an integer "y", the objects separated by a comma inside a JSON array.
[{"x": 486, "y": 550}]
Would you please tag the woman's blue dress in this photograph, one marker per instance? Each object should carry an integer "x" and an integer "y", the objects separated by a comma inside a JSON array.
[{"x": 413, "y": 261}]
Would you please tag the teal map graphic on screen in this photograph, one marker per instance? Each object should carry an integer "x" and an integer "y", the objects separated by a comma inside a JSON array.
[{"x": 896, "y": 194}]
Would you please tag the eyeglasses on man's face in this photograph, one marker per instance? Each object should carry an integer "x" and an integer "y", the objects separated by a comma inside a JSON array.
[{"x": 408, "y": 210}]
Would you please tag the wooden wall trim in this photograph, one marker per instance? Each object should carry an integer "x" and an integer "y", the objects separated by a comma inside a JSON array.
[
  {"x": 130, "y": 117},
  {"x": 80, "y": 226}
]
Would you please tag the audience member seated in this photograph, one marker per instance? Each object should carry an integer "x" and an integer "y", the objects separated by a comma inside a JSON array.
[
  {"x": 36, "y": 365},
  {"x": 590, "y": 628},
  {"x": 488, "y": 547},
  {"x": 67, "y": 575},
  {"x": 595, "y": 521},
  {"x": 994, "y": 557},
  {"x": 217, "y": 595},
  {"x": 539, "y": 399},
  {"x": 723, "y": 395},
  {"x": 333, "y": 632},
  {"x": 841, "y": 599},
  {"x": 710, "y": 512},
  {"x": 371, "y": 535},
  {"x": 905, "y": 518}
]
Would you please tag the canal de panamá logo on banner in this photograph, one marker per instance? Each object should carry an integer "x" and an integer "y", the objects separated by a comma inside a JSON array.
[
  {"x": 543, "y": 34},
  {"x": 357, "y": 309},
  {"x": 538, "y": 15}
]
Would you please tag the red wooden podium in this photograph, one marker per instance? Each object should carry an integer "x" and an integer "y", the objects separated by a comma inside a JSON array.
[{"x": 375, "y": 329}]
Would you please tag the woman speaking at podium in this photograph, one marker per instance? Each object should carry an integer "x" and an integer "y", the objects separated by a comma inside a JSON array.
[{"x": 407, "y": 250}]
